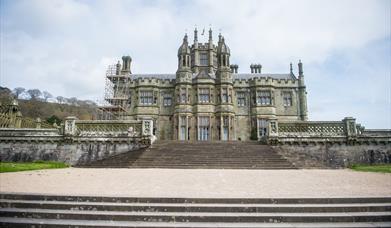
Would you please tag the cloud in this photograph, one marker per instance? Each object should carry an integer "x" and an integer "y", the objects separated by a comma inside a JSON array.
[{"x": 65, "y": 46}]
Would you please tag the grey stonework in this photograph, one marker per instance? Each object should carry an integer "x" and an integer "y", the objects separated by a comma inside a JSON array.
[
  {"x": 72, "y": 153},
  {"x": 231, "y": 103},
  {"x": 78, "y": 142},
  {"x": 334, "y": 155}
]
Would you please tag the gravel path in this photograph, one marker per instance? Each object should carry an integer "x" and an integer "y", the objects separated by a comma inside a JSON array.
[{"x": 198, "y": 183}]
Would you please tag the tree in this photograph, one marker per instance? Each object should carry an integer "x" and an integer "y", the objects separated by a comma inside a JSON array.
[
  {"x": 60, "y": 99},
  {"x": 47, "y": 95},
  {"x": 18, "y": 91},
  {"x": 54, "y": 119},
  {"x": 72, "y": 101},
  {"x": 34, "y": 93}
]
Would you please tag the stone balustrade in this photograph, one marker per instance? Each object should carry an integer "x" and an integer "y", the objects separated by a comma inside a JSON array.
[{"x": 345, "y": 131}]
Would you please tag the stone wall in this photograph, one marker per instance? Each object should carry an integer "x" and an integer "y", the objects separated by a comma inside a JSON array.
[
  {"x": 335, "y": 155},
  {"x": 72, "y": 153},
  {"x": 77, "y": 143}
]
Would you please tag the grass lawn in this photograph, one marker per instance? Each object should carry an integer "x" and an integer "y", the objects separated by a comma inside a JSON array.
[
  {"x": 23, "y": 166},
  {"x": 380, "y": 168}
]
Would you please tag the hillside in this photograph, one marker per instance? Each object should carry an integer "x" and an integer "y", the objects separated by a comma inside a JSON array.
[
  {"x": 38, "y": 108},
  {"x": 44, "y": 110}
]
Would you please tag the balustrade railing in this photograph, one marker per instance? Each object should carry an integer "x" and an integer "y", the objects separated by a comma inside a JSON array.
[
  {"x": 112, "y": 128},
  {"x": 17, "y": 121},
  {"x": 312, "y": 129}
]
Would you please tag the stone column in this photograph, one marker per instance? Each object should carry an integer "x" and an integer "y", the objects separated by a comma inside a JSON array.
[
  {"x": 38, "y": 123},
  {"x": 187, "y": 128},
  {"x": 18, "y": 120}
]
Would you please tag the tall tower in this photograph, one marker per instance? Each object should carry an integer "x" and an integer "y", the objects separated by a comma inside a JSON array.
[
  {"x": 183, "y": 88},
  {"x": 225, "y": 114}
]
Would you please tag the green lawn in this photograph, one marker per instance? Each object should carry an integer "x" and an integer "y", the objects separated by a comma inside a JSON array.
[
  {"x": 23, "y": 166},
  {"x": 381, "y": 168}
]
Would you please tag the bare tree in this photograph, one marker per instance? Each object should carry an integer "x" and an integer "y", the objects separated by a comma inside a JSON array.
[
  {"x": 72, "y": 101},
  {"x": 47, "y": 95},
  {"x": 60, "y": 99},
  {"x": 34, "y": 93},
  {"x": 18, "y": 91}
]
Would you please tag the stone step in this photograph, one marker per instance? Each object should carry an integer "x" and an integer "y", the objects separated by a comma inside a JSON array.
[
  {"x": 225, "y": 201},
  {"x": 195, "y": 216},
  {"x": 197, "y": 207},
  {"x": 7, "y": 222},
  {"x": 22, "y": 210},
  {"x": 216, "y": 155}
]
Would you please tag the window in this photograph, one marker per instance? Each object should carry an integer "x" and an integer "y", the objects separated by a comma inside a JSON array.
[
  {"x": 241, "y": 99},
  {"x": 203, "y": 128},
  {"x": 264, "y": 98},
  {"x": 204, "y": 59},
  {"x": 183, "y": 95},
  {"x": 224, "y": 96},
  {"x": 203, "y": 96},
  {"x": 262, "y": 127},
  {"x": 167, "y": 100},
  {"x": 146, "y": 97},
  {"x": 287, "y": 99}
]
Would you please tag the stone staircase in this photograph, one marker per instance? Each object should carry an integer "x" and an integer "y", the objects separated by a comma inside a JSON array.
[
  {"x": 199, "y": 155},
  {"x": 86, "y": 211}
]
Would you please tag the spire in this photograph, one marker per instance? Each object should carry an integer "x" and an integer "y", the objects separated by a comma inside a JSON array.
[
  {"x": 195, "y": 35},
  {"x": 291, "y": 68},
  {"x": 210, "y": 34},
  {"x": 185, "y": 38},
  {"x": 220, "y": 36}
]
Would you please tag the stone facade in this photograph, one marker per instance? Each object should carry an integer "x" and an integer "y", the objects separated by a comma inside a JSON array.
[{"x": 207, "y": 99}]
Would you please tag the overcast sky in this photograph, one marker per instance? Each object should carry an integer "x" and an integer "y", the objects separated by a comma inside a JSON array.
[{"x": 64, "y": 46}]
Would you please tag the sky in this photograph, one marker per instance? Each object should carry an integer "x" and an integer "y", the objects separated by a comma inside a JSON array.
[{"x": 65, "y": 46}]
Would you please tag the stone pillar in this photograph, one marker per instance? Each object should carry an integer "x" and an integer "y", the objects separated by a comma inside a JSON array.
[
  {"x": 350, "y": 126},
  {"x": 187, "y": 128},
  {"x": 70, "y": 126},
  {"x": 38, "y": 123},
  {"x": 18, "y": 120}
]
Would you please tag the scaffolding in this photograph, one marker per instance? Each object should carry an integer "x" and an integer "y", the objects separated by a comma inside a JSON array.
[{"x": 117, "y": 94}]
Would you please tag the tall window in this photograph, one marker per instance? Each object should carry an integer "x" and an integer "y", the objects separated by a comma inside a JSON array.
[
  {"x": 204, "y": 59},
  {"x": 241, "y": 99},
  {"x": 224, "y": 95},
  {"x": 203, "y": 128},
  {"x": 146, "y": 97},
  {"x": 264, "y": 98},
  {"x": 182, "y": 127},
  {"x": 167, "y": 100},
  {"x": 203, "y": 96},
  {"x": 287, "y": 99},
  {"x": 262, "y": 127}
]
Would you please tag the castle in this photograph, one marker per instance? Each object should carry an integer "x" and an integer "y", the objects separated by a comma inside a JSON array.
[{"x": 207, "y": 99}]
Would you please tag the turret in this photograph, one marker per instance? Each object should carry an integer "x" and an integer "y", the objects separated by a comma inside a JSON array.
[
  {"x": 184, "y": 55},
  {"x": 223, "y": 53}
]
